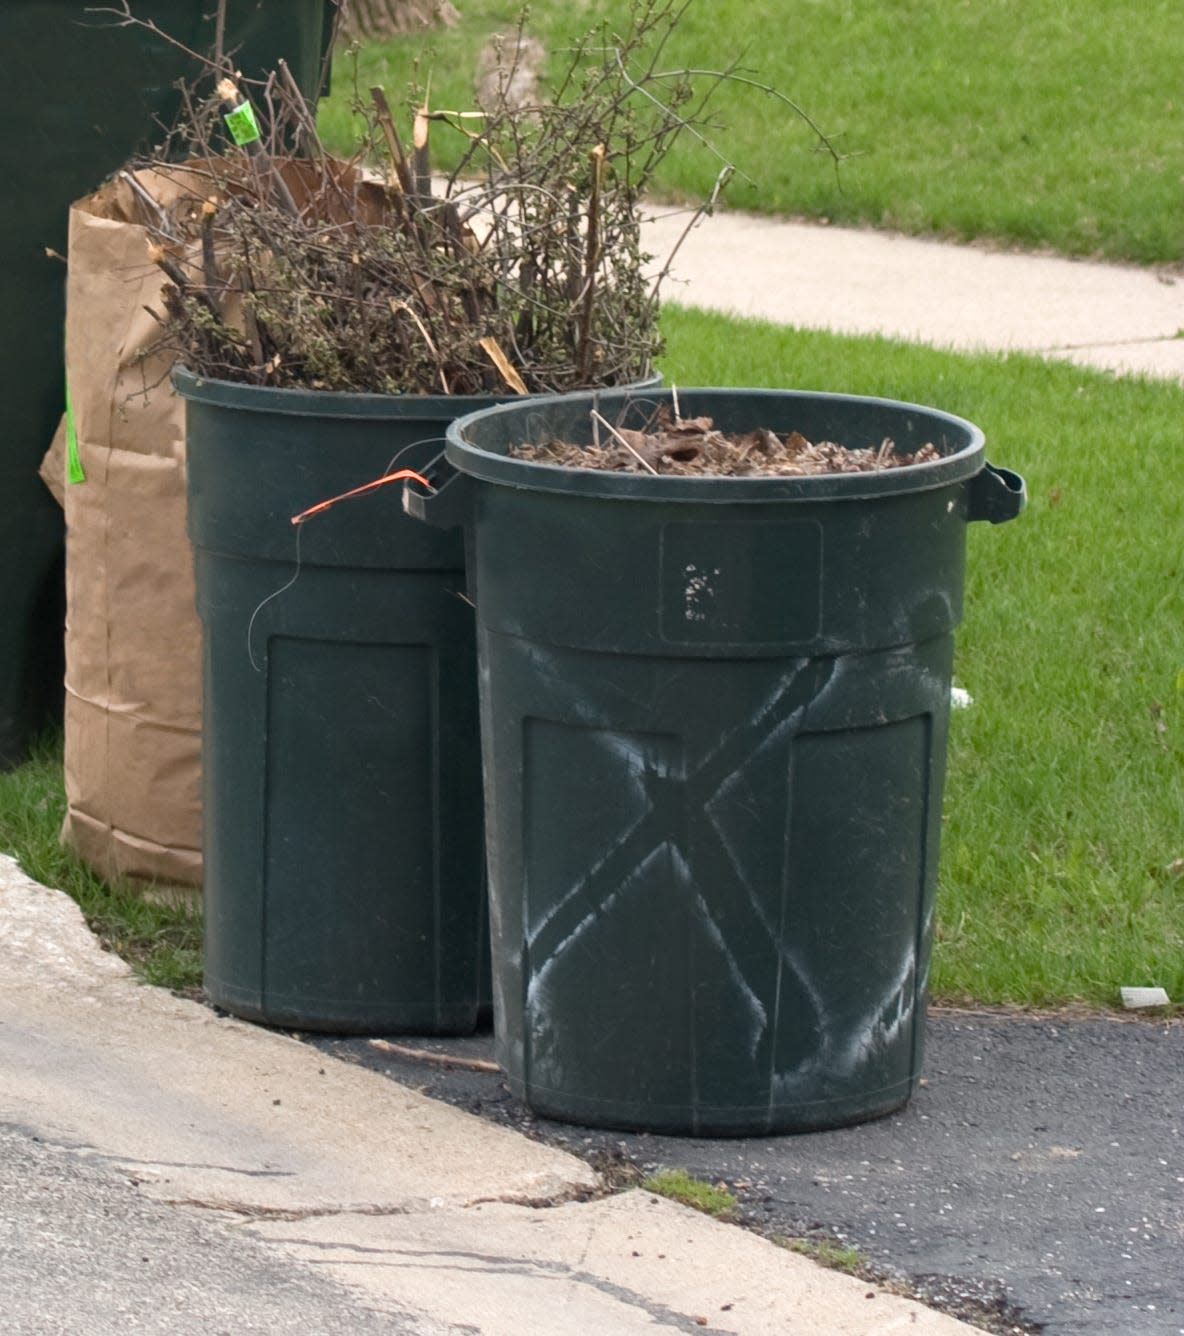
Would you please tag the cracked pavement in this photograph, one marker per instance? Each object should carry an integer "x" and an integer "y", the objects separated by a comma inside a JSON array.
[{"x": 275, "y": 1179}]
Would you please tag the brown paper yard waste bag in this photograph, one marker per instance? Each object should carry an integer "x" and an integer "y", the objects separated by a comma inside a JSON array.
[{"x": 133, "y": 639}]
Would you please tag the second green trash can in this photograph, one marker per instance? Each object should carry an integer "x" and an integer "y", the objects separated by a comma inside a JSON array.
[
  {"x": 714, "y": 716},
  {"x": 342, "y": 842}
]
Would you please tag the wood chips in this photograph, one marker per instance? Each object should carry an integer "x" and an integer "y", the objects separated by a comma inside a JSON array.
[{"x": 687, "y": 446}]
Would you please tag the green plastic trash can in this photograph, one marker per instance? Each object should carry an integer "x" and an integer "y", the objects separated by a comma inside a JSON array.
[
  {"x": 83, "y": 93},
  {"x": 714, "y": 717},
  {"x": 342, "y": 819}
]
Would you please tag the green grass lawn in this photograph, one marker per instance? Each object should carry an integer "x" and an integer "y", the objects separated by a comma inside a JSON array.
[
  {"x": 1062, "y": 867},
  {"x": 1032, "y": 121}
]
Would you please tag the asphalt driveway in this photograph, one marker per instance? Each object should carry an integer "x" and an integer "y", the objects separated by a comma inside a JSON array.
[{"x": 1037, "y": 1174}]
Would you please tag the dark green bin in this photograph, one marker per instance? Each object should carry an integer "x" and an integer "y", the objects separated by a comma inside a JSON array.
[
  {"x": 714, "y": 716},
  {"x": 84, "y": 93},
  {"x": 343, "y": 848}
]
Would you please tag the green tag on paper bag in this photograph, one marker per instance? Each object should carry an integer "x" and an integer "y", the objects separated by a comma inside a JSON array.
[{"x": 74, "y": 469}]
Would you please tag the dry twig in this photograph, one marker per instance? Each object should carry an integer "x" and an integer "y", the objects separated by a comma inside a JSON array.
[{"x": 436, "y": 1059}]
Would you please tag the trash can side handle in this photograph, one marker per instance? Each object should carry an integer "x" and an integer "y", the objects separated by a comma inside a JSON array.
[
  {"x": 449, "y": 504},
  {"x": 996, "y": 495}
]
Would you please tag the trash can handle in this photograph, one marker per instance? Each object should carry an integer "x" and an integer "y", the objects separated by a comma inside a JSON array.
[
  {"x": 450, "y": 502},
  {"x": 996, "y": 495}
]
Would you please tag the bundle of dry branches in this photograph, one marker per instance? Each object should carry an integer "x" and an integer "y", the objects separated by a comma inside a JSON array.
[{"x": 523, "y": 271}]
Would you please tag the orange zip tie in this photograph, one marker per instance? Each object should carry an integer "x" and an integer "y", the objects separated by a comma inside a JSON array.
[{"x": 398, "y": 476}]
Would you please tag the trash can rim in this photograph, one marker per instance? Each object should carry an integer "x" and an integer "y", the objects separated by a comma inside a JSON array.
[
  {"x": 299, "y": 402},
  {"x": 491, "y": 466}
]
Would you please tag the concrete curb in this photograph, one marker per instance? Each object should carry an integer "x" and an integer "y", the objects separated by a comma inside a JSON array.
[{"x": 211, "y": 1110}]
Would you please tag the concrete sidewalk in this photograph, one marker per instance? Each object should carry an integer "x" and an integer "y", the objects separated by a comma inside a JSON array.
[
  {"x": 406, "y": 1207},
  {"x": 854, "y": 281}
]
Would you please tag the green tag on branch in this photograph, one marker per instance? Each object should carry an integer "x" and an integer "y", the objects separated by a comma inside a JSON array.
[
  {"x": 241, "y": 122},
  {"x": 74, "y": 469}
]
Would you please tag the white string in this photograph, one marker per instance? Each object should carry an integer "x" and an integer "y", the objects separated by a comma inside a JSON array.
[{"x": 283, "y": 589}]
